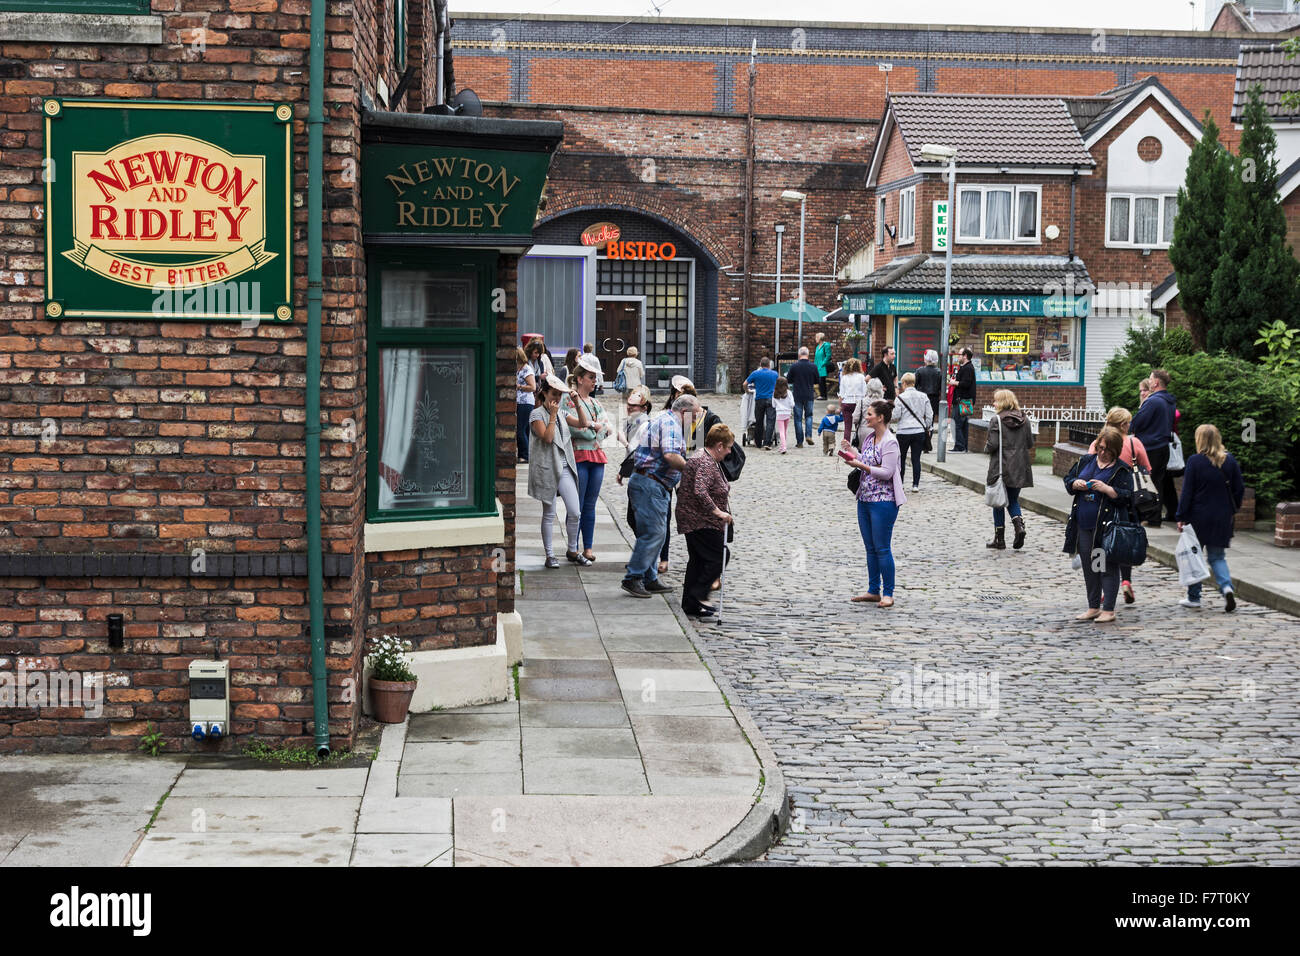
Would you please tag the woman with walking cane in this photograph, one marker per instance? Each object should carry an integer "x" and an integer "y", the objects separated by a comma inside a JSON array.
[{"x": 702, "y": 515}]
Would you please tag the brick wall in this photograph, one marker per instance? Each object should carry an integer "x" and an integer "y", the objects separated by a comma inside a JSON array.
[
  {"x": 1286, "y": 530},
  {"x": 173, "y": 437}
]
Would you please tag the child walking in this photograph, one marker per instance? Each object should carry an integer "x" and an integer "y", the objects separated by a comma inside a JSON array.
[
  {"x": 829, "y": 427},
  {"x": 783, "y": 403}
]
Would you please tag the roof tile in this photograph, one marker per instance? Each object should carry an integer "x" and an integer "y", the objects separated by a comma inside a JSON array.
[{"x": 992, "y": 130}]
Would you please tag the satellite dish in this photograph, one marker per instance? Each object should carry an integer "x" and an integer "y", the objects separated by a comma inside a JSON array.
[{"x": 466, "y": 103}]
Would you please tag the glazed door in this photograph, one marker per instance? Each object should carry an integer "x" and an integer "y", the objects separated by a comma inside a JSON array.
[{"x": 618, "y": 326}]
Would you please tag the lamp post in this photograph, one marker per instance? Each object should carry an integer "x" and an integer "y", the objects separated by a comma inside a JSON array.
[
  {"x": 933, "y": 153},
  {"x": 793, "y": 195}
]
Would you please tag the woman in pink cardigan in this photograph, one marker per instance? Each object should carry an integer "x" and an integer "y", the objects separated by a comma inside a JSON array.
[{"x": 880, "y": 494}]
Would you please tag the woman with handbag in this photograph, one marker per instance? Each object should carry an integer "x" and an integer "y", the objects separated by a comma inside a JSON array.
[
  {"x": 880, "y": 495},
  {"x": 822, "y": 359},
  {"x": 914, "y": 418},
  {"x": 590, "y": 426},
  {"x": 630, "y": 373},
  {"x": 1011, "y": 447},
  {"x": 702, "y": 515},
  {"x": 1144, "y": 494},
  {"x": 1212, "y": 493},
  {"x": 1102, "y": 488}
]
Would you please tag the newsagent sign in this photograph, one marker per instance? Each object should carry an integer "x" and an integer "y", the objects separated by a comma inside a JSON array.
[
  {"x": 168, "y": 210},
  {"x": 902, "y": 303}
]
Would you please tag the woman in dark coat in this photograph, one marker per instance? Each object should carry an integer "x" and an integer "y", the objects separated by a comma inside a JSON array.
[
  {"x": 1212, "y": 493},
  {"x": 1011, "y": 448},
  {"x": 1102, "y": 487}
]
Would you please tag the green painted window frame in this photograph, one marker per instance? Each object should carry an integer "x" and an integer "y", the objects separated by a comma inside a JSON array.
[
  {"x": 399, "y": 36},
  {"x": 134, "y": 8},
  {"x": 481, "y": 339}
]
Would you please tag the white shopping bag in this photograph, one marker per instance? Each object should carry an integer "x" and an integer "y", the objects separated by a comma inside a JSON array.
[{"x": 1192, "y": 566}]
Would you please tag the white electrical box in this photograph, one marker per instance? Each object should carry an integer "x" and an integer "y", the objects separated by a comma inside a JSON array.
[{"x": 209, "y": 699}]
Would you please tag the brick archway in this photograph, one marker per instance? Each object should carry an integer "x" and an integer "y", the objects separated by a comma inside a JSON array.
[{"x": 709, "y": 246}]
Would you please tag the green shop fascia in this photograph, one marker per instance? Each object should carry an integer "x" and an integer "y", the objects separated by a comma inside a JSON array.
[
  {"x": 1013, "y": 336},
  {"x": 443, "y": 199}
]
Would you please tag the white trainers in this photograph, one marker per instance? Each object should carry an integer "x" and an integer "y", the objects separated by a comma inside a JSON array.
[{"x": 1188, "y": 602}]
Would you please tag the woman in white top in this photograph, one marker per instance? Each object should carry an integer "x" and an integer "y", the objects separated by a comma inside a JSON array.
[
  {"x": 853, "y": 387},
  {"x": 783, "y": 405},
  {"x": 913, "y": 415},
  {"x": 633, "y": 372},
  {"x": 552, "y": 470},
  {"x": 525, "y": 387}
]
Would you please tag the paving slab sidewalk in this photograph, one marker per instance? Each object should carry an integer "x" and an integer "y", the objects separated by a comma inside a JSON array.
[
  {"x": 1261, "y": 573},
  {"x": 618, "y": 749}
]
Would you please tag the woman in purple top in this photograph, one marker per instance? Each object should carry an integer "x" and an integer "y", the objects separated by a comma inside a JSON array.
[{"x": 880, "y": 494}]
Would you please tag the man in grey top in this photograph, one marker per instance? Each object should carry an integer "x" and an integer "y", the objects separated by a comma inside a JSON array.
[{"x": 802, "y": 380}]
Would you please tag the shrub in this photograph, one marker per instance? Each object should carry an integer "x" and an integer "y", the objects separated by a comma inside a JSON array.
[{"x": 1246, "y": 402}]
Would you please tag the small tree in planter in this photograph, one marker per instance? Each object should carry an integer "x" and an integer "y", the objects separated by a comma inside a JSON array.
[
  {"x": 665, "y": 377},
  {"x": 392, "y": 683}
]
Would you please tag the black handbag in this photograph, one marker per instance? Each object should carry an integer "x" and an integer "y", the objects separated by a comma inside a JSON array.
[
  {"x": 1125, "y": 541},
  {"x": 855, "y": 479}
]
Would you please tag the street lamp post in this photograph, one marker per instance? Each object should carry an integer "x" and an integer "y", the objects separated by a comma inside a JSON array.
[
  {"x": 780, "y": 232},
  {"x": 793, "y": 195},
  {"x": 937, "y": 154}
]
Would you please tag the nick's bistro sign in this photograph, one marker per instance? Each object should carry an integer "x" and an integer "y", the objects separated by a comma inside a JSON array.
[{"x": 166, "y": 210}]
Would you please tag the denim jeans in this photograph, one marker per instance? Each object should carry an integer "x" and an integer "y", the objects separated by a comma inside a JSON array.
[
  {"x": 803, "y": 422},
  {"x": 1102, "y": 585},
  {"x": 1218, "y": 562},
  {"x": 590, "y": 475},
  {"x": 649, "y": 500},
  {"x": 876, "y": 524},
  {"x": 999, "y": 514},
  {"x": 961, "y": 425}
]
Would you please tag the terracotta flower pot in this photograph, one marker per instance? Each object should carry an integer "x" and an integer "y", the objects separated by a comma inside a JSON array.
[{"x": 391, "y": 699}]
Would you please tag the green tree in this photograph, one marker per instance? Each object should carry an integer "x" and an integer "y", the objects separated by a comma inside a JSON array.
[
  {"x": 1255, "y": 279},
  {"x": 1195, "y": 249}
]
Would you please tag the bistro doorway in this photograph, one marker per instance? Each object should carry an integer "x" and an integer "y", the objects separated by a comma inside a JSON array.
[{"x": 618, "y": 326}]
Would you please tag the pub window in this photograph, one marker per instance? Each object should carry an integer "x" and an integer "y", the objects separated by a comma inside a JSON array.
[
  {"x": 1140, "y": 221},
  {"x": 111, "y": 7},
  {"x": 907, "y": 215},
  {"x": 998, "y": 213},
  {"x": 431, "y": 419}
]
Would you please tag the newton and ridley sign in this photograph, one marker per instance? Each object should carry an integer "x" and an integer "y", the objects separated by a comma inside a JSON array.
[
  {"x": 168, "y": 210},
  {"x": 409, "y": 192}
]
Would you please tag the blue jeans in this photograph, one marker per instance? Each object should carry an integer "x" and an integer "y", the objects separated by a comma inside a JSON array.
[
  {"x": 649, "y": 502},
  {"x": 961, "y": 425},
  {"x": 1218, "y": 562},
  {"x": 590, "y": 475},
  {"x": 803, "y": 421},
  {"x": 876, "y": 523},
  {"x": 999, "y": 514}
]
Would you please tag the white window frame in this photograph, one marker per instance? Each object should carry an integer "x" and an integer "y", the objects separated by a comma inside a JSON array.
[
  {"x": 880, "y": 221},
  {"x": 906, "y": 223},
  {"x": 1164, "y": 198},
  {"x": 983, "y": 189}
]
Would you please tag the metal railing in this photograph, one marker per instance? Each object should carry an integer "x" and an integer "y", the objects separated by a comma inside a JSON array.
[{"x": 1061, "y": 415}]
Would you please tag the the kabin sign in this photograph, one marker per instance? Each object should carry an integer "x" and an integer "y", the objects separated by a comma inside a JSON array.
[{"x": 169, "y": 211}]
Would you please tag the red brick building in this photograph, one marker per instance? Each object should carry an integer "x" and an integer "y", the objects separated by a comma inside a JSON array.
[
  {"x": 153, "y": 457},
  {"x": 658, "y": 131},
  {"x": 1063, "y": 215}
]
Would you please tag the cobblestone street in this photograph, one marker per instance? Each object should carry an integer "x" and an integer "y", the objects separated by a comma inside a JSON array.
[{"x": 976, "y": 721}]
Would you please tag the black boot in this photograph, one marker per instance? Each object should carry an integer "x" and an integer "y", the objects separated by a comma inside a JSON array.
[
  {"x": 999, "y": 539},
  {"x": 1019, "y": 540}
]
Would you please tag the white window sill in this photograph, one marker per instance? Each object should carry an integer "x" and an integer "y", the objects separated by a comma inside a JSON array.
[
  {"x": 445, "y": 533},
  {"x": 1133, "y": 245},
  {"x": 999, "y": 242},
  {"x": 96, "y": 28}
]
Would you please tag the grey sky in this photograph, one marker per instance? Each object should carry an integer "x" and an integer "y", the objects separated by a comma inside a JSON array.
[{"x": 1112, "y": 14}]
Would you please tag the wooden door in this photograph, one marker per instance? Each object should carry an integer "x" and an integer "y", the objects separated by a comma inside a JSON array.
[{"x": 618, "y": 325}]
